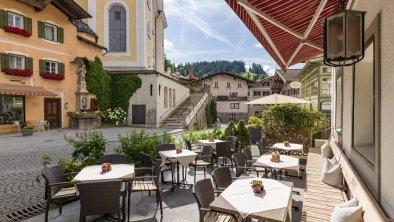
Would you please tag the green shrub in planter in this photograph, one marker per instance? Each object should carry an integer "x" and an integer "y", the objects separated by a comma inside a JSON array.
[{"x": 243, "y": 135}]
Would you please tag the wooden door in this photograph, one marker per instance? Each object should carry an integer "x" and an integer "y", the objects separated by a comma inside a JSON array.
[
  {"x": 138, "y": 114},
  {"x": 52, "y": 112}
]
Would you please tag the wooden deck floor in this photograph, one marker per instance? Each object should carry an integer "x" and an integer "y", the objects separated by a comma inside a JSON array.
[{"x": 319, "y": 198}]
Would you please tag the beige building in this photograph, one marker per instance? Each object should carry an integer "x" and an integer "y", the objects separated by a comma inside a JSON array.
[
  {"x": 257, "y": 90},
  {"x": 133, "y": 32},
  {"x": 231, "y": 93},
  {"x": 39, "y": 70}
]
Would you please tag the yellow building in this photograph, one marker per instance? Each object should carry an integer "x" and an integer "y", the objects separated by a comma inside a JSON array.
[
  {"x": 43, "y": 47},
  {"x": 132, "y": 30}
]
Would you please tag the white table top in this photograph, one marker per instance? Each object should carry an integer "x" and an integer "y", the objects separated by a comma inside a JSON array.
[
  {"x": 184, "y": 158},
  {"x": 292, "y": 147},
  {"x": 239, "y": 194},
  {"x": 209, "y": 142},
  {"x": 286, "y": 162},
  {"x": 94, "y": 174}
]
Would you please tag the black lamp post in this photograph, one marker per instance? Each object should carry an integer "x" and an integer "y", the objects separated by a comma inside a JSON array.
[{"x": 344, "y": 38}]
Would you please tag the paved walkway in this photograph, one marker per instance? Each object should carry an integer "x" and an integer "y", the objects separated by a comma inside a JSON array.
[{"x": 20, "y": 162}]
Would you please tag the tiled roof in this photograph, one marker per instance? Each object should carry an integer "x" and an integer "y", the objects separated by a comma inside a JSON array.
[
  {"x": 229, "y": 74},
  {"x": 290, "y": 75}
]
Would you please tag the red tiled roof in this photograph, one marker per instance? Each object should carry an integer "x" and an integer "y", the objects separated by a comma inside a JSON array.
[
  {"x": 191, "y": 75},
  {"x": 290, "y": 30}
]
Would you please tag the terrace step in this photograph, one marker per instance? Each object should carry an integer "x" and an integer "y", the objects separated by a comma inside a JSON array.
[{"x": 177, "y": 119}]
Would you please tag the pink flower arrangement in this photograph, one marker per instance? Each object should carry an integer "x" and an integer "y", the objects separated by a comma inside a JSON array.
[
  {"x": 18, "y": 72},
  {"x": 17, "y": 31},
  {"x": 50, "y": 75}
]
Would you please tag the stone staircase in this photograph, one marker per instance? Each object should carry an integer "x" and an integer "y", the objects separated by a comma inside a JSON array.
[{"x": 177, "y": 119}]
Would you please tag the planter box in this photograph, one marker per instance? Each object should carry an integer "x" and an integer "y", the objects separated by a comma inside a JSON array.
[
  {"x": 254, "y": 134},
  {"x": 27, "y": 132}
]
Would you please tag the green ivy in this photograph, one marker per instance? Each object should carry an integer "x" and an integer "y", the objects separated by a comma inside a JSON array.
[
  {"x": 122, "y": 88},
  {"x": 112, "y": 91},
  {"x": 98, "y": 83}
]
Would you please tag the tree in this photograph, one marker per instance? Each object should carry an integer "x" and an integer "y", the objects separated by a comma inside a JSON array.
[
  {"x": 168, "y": 64},
  {"x": 230, "y": 130},
  {"x": 211, "y": 113},
  {"x": 243, "y": 135}
]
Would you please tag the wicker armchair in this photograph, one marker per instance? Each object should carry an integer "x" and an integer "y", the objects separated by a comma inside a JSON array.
[
  {"x": 114, "y": 159},
  {"x": 248, "y": 157},
  {"x": 57, "y": 189},
  {"x": 240, "y": 165},
  {"x": 203, "y": 160},
  {"x": 262, "y": 147},
  {"x": 222, "y": 178},
  {"x": 108, "y": 200},
  {"x": 150, "y": 183},
  {"x": 204, "y": 194},
  {"x": 223, "y": 149}
]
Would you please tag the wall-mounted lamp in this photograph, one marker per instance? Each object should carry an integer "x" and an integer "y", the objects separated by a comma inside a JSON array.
[{"x": 344, "y": 38}]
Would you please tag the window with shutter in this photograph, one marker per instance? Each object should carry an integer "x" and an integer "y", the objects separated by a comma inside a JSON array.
[
  {"x": 3, "y": 18},
  {"x": 4, "y": 61},
  {"x": 29, "y": 63}
]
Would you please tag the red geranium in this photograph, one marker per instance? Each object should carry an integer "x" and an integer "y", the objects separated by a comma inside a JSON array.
[
  {"x": 18, "y": 72},
  {"x": 51, "y": 75},
  {"x": 17, "y": 31}
]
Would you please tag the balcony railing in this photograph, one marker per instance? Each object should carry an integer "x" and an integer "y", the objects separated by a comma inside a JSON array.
[{"x": 231, "y": 98}]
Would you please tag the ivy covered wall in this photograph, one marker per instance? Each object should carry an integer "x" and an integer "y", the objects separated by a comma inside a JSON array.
[{"x": 112, "y": 91}]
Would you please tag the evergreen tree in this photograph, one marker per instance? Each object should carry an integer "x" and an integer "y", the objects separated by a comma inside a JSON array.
[{"x": 243, "y": 135}]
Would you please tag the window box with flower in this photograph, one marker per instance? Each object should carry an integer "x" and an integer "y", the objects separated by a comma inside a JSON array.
[
  {"x": 16, "y": 65},
  {"x": 15, "y": 23},
  {"x": 51, "y": 70}
]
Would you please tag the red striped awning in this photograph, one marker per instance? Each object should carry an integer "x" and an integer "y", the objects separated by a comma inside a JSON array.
[
  {"x": 290, "y": 30},
  {"x": 23, "y": 90}
]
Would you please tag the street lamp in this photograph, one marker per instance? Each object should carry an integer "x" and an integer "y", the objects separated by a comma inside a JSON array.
[{"x": 344, "y": 38}]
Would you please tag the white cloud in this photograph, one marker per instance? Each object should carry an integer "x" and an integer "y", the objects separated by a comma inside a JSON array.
[
  {"x": 258, "y": 45},
  {"x": 268, "y": 69},
  {"x": 195, "y": 13},
  {"x": 168, "y": 45}
]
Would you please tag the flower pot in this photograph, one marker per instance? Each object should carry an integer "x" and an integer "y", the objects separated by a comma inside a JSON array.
[
  {"x": 256, "y": 189},
  {"x": 27, "y": 132}
]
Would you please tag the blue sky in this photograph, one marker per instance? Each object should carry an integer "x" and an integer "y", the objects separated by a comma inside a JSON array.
[{"x": 201, "y": 30}]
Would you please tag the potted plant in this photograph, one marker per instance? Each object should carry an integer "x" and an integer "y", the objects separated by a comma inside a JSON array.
[
  {"x": 257, "y": 186},
  {"x": 27, "y": 130},
  {"x": 286, "y": 143},
  {"x": 275, "y": 157}
]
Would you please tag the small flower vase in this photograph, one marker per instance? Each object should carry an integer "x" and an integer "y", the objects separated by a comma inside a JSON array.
[
  {"x": 211, "y": 139},
  {"x": 256, "y": 189},
  {"x": 178, "y": 150}
]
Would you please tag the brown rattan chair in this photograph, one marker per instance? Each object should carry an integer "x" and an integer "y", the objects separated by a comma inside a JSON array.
[
  {"x": 222, "y": 178},
  {"x": 100, "y": 198},
  {"x": 248, "y": 157},
  {"x": 150, "y": 183},
  {"x": 57, "y": 189},
  {"x": 240, "y": 165},
  {"x": 203, "y": 160},
  {"x": 233, "y": 139},
  {"x": 262, "y": 147},
  {"x": 114, "y": 159},
  {"x": 205, "y": 194},
  {"x": 223, "y": 150}
]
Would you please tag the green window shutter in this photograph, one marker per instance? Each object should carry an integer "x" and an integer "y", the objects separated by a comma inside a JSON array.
[
  {"x": 60, "y": 35},
  {"x": 42, "y": 66},
  {"x": 27, "y": 24},
  {"x": 41, "y": 29},
  {"x": 29, "y": 63},
  {"x": 4, "y": 61},
  {"x": 61, "y": 68},
  {"x": 3, "y": 18}
]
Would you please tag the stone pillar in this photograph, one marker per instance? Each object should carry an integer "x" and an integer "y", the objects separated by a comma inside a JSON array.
[{"x": 82, "y": 93}]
